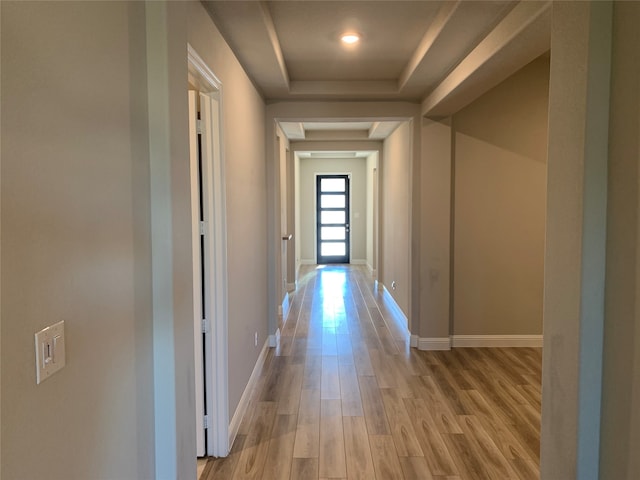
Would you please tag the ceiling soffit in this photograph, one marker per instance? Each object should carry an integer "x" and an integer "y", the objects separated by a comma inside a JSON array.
[
  {"x": 338, "y": 131},
  {"x": 441, "y": 53}
]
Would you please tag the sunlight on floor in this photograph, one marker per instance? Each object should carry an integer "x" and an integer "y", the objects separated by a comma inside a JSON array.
[{"x": 333, "y": 283}]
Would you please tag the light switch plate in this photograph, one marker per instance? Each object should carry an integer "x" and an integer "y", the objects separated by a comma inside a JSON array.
[{"x": 50, "y": 351}]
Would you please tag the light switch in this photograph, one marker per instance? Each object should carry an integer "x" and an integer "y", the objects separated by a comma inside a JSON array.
[{"x": 50, "y": 351}]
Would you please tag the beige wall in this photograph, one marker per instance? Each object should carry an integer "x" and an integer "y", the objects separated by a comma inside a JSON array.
[
  {"x": 435, "y": 230},
  {"x": 75, "y": 245},
  {"x": 395, "y": 171},
  {"x": 244, "y": 152},
  {"x": 372, "y": 210},
  {"x": 575, "y": 251},
  {"x": 499, "y": 207},
  {"x": 356, "y": 167},
  {"x": 620, "y": 436},
  {"x": 333, "y": 111},
  {"x": 280, "y": 279},
  {"x": 83, "y": 169},
  {"x": 0, "y": 262}
]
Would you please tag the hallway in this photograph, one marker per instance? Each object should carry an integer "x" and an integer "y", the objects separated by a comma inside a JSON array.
[{"x": 344, "y": 397}]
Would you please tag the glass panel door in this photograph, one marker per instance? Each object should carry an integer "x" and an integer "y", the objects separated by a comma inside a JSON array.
[{"x": 332, "y": 230}]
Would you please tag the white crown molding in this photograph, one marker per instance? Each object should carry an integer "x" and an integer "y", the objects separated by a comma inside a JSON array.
[{"x": 201, "y": 72}]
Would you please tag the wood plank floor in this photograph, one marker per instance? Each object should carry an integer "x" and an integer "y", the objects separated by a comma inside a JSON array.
[{"x": 344, "y": 397}]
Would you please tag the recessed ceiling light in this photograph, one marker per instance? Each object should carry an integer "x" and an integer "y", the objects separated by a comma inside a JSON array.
[{"x": 350, "y": 38}]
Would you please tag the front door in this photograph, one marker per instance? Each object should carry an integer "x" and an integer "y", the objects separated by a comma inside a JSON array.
[{"x": 332, "y": 218}]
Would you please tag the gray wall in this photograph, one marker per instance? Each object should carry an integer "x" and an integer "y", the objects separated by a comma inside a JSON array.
[{"x": 356, "y": 167}]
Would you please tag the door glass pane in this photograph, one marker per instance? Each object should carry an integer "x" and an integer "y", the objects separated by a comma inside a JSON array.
[
  {"x": 331, "y": 216},
  {"x": 332, "y": 184},
  {"x": 333, "y": 249},
  {"x": 332, "y": 201},
  {"x": 332, "y": 233}
]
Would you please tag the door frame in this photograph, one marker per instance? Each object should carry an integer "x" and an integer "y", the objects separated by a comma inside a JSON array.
[
  {"x": 347, "y": 206},
  {"x": 197, "y": 253},
  {"x": 215, "y": 261},
  {"x": 298, "y": 149}
]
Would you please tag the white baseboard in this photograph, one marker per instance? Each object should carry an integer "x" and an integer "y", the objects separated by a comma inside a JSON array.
[
  {"x": 397, "y": 311},
  {"x": 358, "y": 261},
  {"x": 373, "y": 272},
  {"x": 413, "y": 341},
  {"x": 274, "y": 340},
  {"x": 435, "y": 343},
  {"x": 241, "y": 411},
  {"x": 284, "y": 308},
  {"x": 461, "y": 341},
  {"x": 307, "y": 261},
  {"x": 496, "y": 340}
]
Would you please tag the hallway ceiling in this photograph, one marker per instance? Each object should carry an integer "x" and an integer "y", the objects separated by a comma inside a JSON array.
[
  {"x": 347, "y": 130},
  {"x": 441, "y": 53}
]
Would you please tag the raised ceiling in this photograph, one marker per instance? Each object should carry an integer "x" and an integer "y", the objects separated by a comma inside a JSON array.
[
  {"x": 347, "y": 130},
  {"x": 441, "y": 53}
]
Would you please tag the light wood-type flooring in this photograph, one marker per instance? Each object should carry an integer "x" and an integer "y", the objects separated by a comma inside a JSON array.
[{"x": 345, "y": 397}]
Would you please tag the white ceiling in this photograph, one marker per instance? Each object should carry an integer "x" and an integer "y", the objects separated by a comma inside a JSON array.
[{"x": 442, "y": 53}]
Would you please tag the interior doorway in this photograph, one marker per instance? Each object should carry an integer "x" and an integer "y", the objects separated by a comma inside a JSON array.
[
  {"x": 209, "y": 260},
  {"x": 362, "y": 213},
  {"x": 332, "y": 219}
]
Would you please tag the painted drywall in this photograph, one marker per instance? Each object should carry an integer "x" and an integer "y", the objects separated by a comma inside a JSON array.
[
  {"x": 499, "y": 207},
  {"x": 395, "y": 205},
  {"x": 620, "y": 435},
  {"x": 280, "y": 279},
  {"x": 81, "y": 176},
  {"x": 297, "y": 193},
  {"x": 291, "y": 221},
  {"x": 244, "y": 152},
  {"x": 284, "y": 111},
  {"x": 574, "y": 278},
  {"x": 75, "y": 245},
  {"x": 0, "y": 265},
  {"x": 356, "y": 167},
  {"x": 371, "y": 220},
  {"x": 171, "y": 255},
  {"x": 435, "y": 227}
]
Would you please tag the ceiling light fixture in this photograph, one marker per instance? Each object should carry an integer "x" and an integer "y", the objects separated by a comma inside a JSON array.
[{"x": 350, "y": 38}]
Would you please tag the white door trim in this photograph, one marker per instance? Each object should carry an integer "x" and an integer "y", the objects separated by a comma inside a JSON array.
[
  {"x": 215, "y": 258},
  {"x": 197, "y": 273}
]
